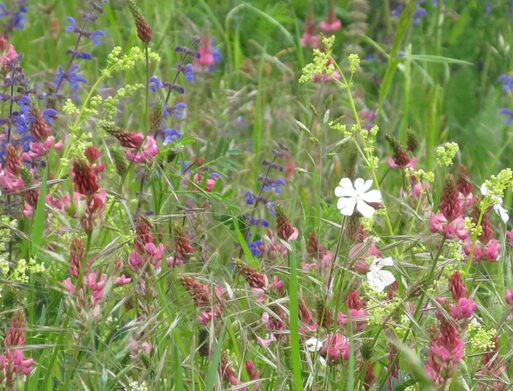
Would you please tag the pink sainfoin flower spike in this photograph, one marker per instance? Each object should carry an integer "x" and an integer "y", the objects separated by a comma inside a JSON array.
[
  {"x": 449, "y": 221},
  {"x": 318, "y": 253},
  {"x": 445, "y": 353},
  {"x": 283, "y": 226},
  {"x": 253, "y": 373},
  {"x": 202, "y": 298},
  {"x": 13, "y": 362},
  {"x": 8, "y": 56},
  {"x": 183, "y": 247},
  {"x": 85, "y": 179},
  {"x": 227, "y": 373},
  {"x": 464, "y": 307},
  {"x": 401, "y": 157},
  {"x": 256, "y": 280},
  {"x": 465, "y": 188},
  {"x": 206, "y": 60},
  {"x": 310, "y": 37},
  {"x": 356, "y": 313},
  {"x": 145, "y": 251},
  {"x": 10, "y": 179},
  {"x": 144, "y": 154},
  {"x": 331, "y": 23}
]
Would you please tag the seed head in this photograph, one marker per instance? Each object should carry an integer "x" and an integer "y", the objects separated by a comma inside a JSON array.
[{"x": 144, "y": 31}]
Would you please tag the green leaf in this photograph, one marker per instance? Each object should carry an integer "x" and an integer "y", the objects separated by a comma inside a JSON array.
[
  {"x": 39, "y": 216},
  {"x": 216, "y": 358}
]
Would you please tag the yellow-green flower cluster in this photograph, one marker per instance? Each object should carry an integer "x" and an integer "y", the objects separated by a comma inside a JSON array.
[
  {"x": 480, "y": 339},
  {"x": 474, "y": 229},
  {"x": 354, "y": 62},
  {"x": 6, "y": 225},
  {"x": 23, "y": 269},
  {"x": 69, "y": 107},
  {"x": 382, "y": 310},
  {"x": 110, "y": 103},
  {"x": 119, "y": 62},
  {"x": 321, "y": 64},
  {"x": 497, "y": 186},
  {"x": 446, "y": 153},
  {"x": 421, "y": 175},
  {"x": 367, "y": 223},
  {"x": 369, "y": 146},
  {"x": 136, "y": 386}
]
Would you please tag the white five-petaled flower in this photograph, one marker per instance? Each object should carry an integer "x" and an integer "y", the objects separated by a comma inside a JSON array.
[
  {"x": 356, "y": 196},
  {"x": 497, "y": 207},
  {"x": 379, "y": 279}
]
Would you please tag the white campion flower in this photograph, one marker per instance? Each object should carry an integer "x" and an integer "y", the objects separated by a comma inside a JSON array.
[
  {"x": 356, "y": 196},
  {"x": 313, "y": 344},
  {"x": 377, "y": 278},
  {"x": 497, "y": 207}
]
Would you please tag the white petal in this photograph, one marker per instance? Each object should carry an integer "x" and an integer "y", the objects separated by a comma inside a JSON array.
[
  {"x": 346, "y": 206},
  {"x": 374, "y": 281},
  {"x": 365, "y": 209},
  {"x": 346, "y": 183},
  {"x": 345, "y": 188},
  {"x": 313, "y": 344},
  {"x": 341, "y": 191},
  {"x": 358, "y": 183},
  {"x": 362, "y": 186},
  {"x": 484, "y": 189},
  {"x": 387, "y": 277},
  {"x": 380, "y": 280},
  {"x": 372, "y": 196},
  {"x": 503, "y": 213},
  {"x": 385, "y": 262}
]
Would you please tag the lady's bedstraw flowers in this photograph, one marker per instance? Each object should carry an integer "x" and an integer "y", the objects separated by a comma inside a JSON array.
[{"x": 357, "y": 196}]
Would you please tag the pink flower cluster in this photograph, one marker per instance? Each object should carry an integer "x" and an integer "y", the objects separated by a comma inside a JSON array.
[
  {"x": 8, "y": 54},
  {"x": 336, "y": 348},
  {"x": 356, "y": 314},
  {"x": 92, "y": 284},
  {"x": 145, "y": 252},
  {"x": 447, "y": 349},
  {"x": 10, "y": 178},
  {"x": 321, "y": 257},
  {"x": 329, "y": 25},
  {"x": 455, "y": 201},
  {"x": 200, "y": 293},
  {"x": 445, "y": 352},
  {"x": 145, "y": 153},
  {"x": 465, "y": 306},
  {"x": 13, "y": 362}
]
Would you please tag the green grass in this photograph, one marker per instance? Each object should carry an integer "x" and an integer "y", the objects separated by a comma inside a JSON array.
[{"x": 437, "y": 79}]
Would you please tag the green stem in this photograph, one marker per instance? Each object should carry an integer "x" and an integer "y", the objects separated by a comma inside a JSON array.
[
  {"x": 147, "y": 90},
  {"x": 347, "y": 85},
  {"x": 294, "y": 324}
]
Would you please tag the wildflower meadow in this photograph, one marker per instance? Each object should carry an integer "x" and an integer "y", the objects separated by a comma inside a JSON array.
[{"x": 256, "y": 195}]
